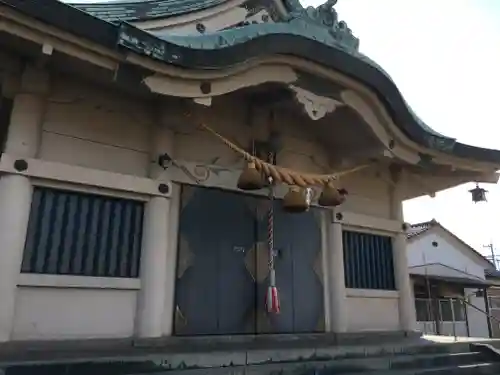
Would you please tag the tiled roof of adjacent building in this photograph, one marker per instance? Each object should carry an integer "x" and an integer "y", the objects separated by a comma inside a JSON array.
[
  {"x": 144, "y": 10},
  {"x": 419, "y": 228}
]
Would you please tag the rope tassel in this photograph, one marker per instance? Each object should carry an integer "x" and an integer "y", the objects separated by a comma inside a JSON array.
[{"x": 272, "y": 299}]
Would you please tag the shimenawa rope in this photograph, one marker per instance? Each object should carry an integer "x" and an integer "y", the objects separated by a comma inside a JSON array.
[{"x": 280, "y": 174}]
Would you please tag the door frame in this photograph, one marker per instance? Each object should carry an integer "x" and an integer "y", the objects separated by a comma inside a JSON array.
[
  {"x": 325, "y": 223},
  {"x": 173, "y": 248}
]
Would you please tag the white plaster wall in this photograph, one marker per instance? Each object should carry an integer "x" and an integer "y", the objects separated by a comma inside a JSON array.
[
  {"x": 95, "y": 128},
  {"x": 372, "y": 313},
  {"x": 421, "y": 251},
  {"x": 43, "y": 313},
  {"x": 368, "y": 188}
]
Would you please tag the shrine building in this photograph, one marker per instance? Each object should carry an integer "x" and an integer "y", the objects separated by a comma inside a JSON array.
[{"x": 200, "y": 168}]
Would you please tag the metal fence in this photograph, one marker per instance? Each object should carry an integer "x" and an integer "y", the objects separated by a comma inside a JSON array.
[{"x": 446, "y": 316}]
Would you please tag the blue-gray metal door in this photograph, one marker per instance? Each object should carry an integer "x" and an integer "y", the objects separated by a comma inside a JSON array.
[
  {"x": 215, "y": 290},
  {"x": 297, "y": 238},
  {"x": 222, "y": 270}
]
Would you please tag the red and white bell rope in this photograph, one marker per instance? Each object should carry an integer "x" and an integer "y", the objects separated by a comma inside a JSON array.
[{"x": 272, "y": 299}]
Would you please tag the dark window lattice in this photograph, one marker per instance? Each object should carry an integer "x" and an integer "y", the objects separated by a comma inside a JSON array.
[
  {"x": 73, "y": 233},
  {"x": 368, "y": 261}
]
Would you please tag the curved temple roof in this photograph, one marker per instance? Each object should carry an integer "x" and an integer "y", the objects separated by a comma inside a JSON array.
[
  {"x": 298, "y": 32},
  {"x": 144, "y": 10}
]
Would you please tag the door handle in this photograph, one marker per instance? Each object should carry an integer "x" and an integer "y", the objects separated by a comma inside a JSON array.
[
  {"x": 239, "y": 249},
  {"x": 278, "y": 253}
]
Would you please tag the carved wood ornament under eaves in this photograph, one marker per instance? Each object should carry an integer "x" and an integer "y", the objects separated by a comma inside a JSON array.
[{"x": 315, "y": 106}]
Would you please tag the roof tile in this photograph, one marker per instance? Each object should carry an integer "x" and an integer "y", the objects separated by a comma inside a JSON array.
[
  {"x": 144, "y": 10},
  {"x": 417, "y": 229}
]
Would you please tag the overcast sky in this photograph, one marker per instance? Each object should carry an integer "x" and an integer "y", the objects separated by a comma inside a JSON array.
[{"x": 444, "y": 55}]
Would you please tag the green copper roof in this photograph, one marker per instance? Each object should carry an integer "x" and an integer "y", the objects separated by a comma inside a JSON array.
[
  {"x": 321, "y": 25},
  {"x": 144, "y": 10},
  {"x": 324, "y": 15},
  {"x": 314, "y": 34}
]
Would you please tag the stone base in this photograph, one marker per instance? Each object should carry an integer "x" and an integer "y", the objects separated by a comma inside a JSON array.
[
  {"x": 233, "y": 355},
  {"x": 289, "y": 343}
]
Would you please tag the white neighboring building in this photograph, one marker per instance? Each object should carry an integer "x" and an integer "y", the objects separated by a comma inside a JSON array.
[{"x": 449, "y": 282}]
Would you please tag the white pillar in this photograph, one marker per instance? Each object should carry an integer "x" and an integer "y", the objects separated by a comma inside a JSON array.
[
  {"x": 153, "y": 272},
  {"x": 15, "y": 202},
  {"x": 406, "y": 303},
  {"x": 171, "y": 266},
  {"x": 25, "y": 128},
  {"x": 156, "y": 260},
  {"x": 23, "y": 140},
  {"x": 338, "y": 307}
]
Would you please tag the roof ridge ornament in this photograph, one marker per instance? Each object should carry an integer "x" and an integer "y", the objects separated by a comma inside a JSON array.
[{"x": 325, "y": 16}]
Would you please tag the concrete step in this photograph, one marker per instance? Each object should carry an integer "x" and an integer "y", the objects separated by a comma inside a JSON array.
[
  {"x": 193, "y": 351},
  {"x": 463, "y": 364},
  {"x": 171, "y": 360},
  {"x": 437, "y": 360},
  {"x": 486, "y": 368},
  {"x": 378, "y": 366},
  {"x": 476, "y": 369},
  {"x": 419, "y": 359}
]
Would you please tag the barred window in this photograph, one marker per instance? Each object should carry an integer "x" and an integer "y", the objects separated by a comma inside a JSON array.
[
  {"x": 452, "y": 309},
  {"x": 494, "y": 303},
  {"x": 368, "y": 261},
  {"x": 72, "y": 233}
]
